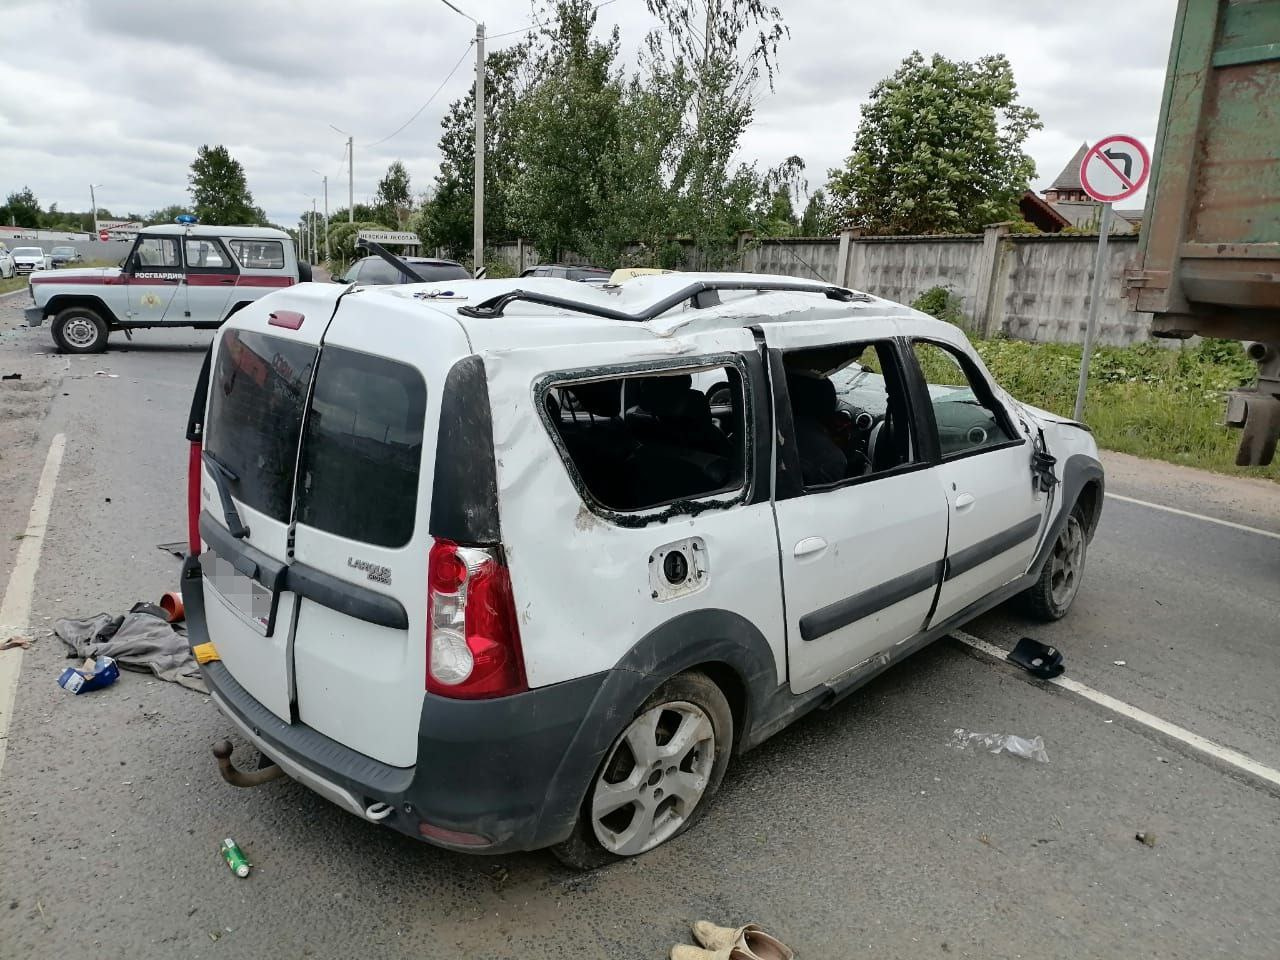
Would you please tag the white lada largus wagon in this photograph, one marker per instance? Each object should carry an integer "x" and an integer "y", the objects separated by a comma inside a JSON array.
[{"x": 511, "y": 564}]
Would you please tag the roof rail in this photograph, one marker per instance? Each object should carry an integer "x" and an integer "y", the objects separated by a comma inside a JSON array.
[{"x": 494, "y": 306}]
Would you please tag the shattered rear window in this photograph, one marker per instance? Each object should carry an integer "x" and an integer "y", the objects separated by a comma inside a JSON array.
[{"x": 256, "y": 400}]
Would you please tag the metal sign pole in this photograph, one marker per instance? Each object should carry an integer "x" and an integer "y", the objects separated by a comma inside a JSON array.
[{"x": 1095, "y": 298}]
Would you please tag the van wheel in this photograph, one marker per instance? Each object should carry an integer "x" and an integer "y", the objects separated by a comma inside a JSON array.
[
  {"x": 657, "y": 778},
  {"x": 79, "y": 330},
  {"x": 1053, "y": 593}
]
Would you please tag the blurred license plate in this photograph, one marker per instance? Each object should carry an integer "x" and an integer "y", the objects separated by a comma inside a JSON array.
[{"x": 242, "y": 594}]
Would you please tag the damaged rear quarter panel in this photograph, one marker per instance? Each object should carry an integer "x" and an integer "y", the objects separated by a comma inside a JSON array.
[{"x": 580, "y": 574}]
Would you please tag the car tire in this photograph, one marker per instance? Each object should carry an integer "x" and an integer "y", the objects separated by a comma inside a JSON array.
[
  {"x": 689, "y": 706},
  {"x": 305, "y": 273},
  {"x": 1056, "y": 588},
  {"x": 79, "y": 330}
]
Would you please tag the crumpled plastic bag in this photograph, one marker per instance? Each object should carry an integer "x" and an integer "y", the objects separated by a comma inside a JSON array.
[{"x": 1001, "y": 742}]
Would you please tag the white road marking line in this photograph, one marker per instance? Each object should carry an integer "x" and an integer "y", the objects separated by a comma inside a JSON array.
[
  {"x": 1184, "y": 736},
  {"x": 15, "y": 608},
  {"x": 1196, "y": 516}
]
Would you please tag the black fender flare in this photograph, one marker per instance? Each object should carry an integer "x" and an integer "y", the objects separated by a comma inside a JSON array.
[
  {"x": 714, "y": 639},
  {"x": 61, "y": 301}
]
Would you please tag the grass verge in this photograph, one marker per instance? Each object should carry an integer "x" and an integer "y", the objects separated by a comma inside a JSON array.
[
  {"x": 1149, "y": 400},
  {"x": 16, "y": 282}
]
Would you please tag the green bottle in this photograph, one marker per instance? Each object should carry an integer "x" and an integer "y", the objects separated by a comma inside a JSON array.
[{"x": 235, "y": 858}]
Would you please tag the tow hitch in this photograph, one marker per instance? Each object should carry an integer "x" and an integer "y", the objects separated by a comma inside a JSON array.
[{"x": 239, "y": 778}]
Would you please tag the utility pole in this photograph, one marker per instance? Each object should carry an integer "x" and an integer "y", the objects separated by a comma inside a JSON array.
[
  {"x": 478, "y": 251},
  {"x": 313, "y": 229},
  {"x": 93, "y": 201},
  {"x": 325, "y": 179},
  {"x": 351, "y": 173}
]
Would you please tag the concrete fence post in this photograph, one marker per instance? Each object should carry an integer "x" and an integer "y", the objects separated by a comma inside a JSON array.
[
  {"x": 842, "y": 259},
  {"x": 744, "y": 250},
  {"x": 986, "y": 307}
]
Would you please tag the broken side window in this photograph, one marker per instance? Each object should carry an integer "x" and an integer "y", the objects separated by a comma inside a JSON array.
[{"x": 650, "y": 439}]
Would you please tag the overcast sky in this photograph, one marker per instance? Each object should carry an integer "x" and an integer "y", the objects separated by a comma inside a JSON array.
[{"x": 122, "y": 92}]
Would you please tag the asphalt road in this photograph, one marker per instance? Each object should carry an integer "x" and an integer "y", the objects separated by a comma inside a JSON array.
[{"x": 859, "y": 832}]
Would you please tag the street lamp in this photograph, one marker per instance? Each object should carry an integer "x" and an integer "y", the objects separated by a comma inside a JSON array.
[
  {"x": 325, "y": 177},
  {"x": 478, "y": 220},
  {"x": 351, "y": 174},
  {"x": 93, "y": 202}
]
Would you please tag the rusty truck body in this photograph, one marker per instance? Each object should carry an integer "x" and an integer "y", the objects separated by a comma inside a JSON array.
[{"x": 1209, "y": 252}]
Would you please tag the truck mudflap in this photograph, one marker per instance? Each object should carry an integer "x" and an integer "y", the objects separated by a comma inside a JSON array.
[
  {"x": 1258, "y": 417},
  {"x": 1256, "y": 410},
  {"x": 34, "y": 316}
]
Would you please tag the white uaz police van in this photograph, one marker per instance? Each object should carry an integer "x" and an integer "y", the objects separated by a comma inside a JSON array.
[{"x": 176, "y": 275}]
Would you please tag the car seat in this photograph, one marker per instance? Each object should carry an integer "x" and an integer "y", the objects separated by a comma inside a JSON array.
[
  {"x": 813, "y": 403},
  {"x": 670, "y": 412}
]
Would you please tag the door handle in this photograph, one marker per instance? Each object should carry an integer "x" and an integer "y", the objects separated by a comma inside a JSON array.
[
  {"x": 809, "y": 546},
  {"x": 964, "y": 501}
]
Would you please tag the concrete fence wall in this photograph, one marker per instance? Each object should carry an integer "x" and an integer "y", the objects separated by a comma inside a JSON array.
[{"x": 1033, "y": 287}]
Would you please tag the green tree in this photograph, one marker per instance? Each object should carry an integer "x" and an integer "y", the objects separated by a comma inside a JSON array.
[
  {"x": 816, "y": 219},
  {"x": 939, "y": 149},
  {"x": 393, "y": 202},
  {"x": 567, "y": 126},
  {"x": 21, "y": 209},
  {"x": 342, "y": 239},
  {"x": 780, "y": 191},
  {"x": 166, "y": 214},
  {"x": 219, "y": 191},
  {"x": 446, "y": 221},
  {"x": 364, "y": 211},
  {"x": 716, "y": 53}
]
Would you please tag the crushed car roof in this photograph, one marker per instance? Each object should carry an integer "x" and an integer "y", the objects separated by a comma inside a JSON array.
[{"x": 522, "y": 321}]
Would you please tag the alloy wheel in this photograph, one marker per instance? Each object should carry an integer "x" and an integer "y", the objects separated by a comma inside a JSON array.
[
  {"x": 1067, "y": 563},
  {"x": 654, "y": 778}
]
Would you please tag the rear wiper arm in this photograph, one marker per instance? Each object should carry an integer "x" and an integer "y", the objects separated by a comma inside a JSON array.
[{"x": 221, "y": 474}]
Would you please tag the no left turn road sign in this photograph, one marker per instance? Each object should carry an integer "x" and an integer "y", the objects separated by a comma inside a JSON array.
[{"x": 1115, "y": 168}]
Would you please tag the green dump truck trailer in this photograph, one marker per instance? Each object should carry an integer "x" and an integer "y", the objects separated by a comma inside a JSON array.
[{"x": 1209, "y": 251}]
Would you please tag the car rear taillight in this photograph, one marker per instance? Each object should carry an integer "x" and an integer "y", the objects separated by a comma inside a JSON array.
[
  {"x": 193, "y": 497},
  {"x": 473, "y": 641}
]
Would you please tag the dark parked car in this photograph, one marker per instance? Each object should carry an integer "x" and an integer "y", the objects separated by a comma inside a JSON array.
[
  {"x": 565, "y": 272},
  {"x": 375, "y": 270},
  {"x": 62, "y": 256}
]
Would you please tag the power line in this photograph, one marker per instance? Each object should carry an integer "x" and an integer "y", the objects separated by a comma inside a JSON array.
[
  {"x": 457, "y": 11},
  {"x": 418, "y": 112}
]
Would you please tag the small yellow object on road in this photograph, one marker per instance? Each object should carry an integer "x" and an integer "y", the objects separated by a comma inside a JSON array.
[{"x": 204, "y": 652}]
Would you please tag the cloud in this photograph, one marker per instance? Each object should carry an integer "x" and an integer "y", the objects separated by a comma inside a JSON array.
[{"x": 139, "y": 85}]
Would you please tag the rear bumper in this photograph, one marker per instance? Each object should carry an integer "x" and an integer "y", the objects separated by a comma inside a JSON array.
[
  {"x": 509, "y": 770},
  {"x": 34, "y": 316}
]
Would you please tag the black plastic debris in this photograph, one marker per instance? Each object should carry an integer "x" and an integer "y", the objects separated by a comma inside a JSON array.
[
  {"x": 178, "y": 548},
  {"x": 11, "y": 376},
  {"x": 1038, "y": 659}
]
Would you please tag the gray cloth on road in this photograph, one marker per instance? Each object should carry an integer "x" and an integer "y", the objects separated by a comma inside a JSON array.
[{"x": 140, "y": 640}]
